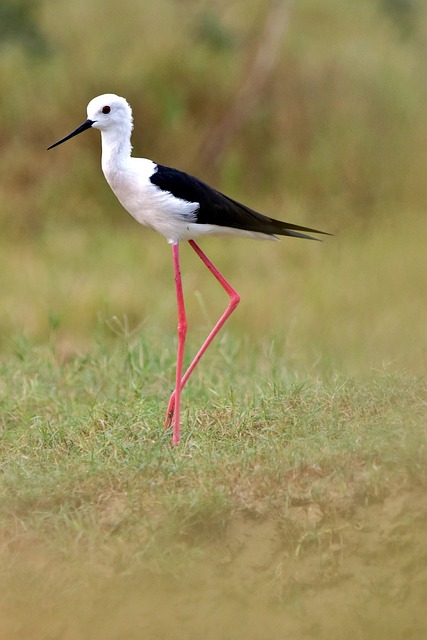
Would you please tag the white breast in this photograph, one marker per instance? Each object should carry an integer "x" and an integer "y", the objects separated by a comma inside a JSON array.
[{"x": 147, "y": 203}]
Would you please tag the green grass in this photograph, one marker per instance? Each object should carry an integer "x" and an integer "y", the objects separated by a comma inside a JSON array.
[
  {"x": 352, "y": 303},
  {"x": 303, "y": 431},
  {"x": 298, "y": 381},
  {"x": 83, "y": 437},
  {"x": 269, "y": 474}
]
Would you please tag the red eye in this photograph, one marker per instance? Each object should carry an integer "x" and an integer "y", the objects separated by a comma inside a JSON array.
[{"x": 106, "y": 109}]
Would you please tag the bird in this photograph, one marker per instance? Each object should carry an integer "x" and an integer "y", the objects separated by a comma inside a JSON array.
[{"x": 181, "y": 208}]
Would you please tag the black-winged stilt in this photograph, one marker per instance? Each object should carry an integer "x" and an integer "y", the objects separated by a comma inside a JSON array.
[{"x": 178, "y": 206}]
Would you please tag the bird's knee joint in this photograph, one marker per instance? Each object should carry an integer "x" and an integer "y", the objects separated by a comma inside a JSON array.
[{"x": 235, "y": 299}]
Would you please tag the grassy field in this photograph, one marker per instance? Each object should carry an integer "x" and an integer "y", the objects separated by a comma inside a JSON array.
[
  {"x": 298, "y": 483},
  {"x": 294, "y": 506}
]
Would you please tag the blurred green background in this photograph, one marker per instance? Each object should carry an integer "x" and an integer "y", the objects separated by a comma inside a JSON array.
[{"x": 313, "y": 111}]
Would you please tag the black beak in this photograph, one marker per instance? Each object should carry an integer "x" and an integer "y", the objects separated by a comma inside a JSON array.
[{"x": 83, "y": 127}]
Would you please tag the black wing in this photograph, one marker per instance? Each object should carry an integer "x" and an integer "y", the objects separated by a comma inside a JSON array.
[{"x": 218, "y": 209}]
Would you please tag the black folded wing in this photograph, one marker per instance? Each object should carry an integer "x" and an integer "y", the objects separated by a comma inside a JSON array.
[{"x": 218, "y": 209}]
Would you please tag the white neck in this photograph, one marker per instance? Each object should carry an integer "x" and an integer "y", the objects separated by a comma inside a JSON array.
[{"x": 116, "y": 146}]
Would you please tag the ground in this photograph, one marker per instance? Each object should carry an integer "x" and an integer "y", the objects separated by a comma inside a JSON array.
[{"x": 361, "y": 575}]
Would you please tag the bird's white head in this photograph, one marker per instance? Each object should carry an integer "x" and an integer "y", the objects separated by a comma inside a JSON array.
[{"x": 110, "y": 114}]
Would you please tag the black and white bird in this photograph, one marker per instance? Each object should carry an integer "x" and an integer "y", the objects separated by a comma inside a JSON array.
[{"x": 179, "y": 207}]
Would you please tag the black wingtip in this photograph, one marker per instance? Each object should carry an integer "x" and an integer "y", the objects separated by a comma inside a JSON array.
[
  {"x": 298, "y": 231},
  {"x": 304, "y": 236},
  {"x": 295, "y": 231}
]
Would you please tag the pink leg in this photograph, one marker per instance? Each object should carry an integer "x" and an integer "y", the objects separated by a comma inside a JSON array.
[
  {"x": 171, "y": 415},
  {"x": 182, "y": 332}
]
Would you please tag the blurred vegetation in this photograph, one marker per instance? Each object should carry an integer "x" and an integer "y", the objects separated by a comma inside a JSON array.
[
  {"x": 337, "y": 132},
  {"x": 313, "y": 111}
]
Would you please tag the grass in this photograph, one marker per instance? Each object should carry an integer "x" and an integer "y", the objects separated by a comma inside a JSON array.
[
  {"x": 303, "y": 449},
  {"x": 352, "y": 303},
  {"x": 83, "y": 392},
  {"x": 84, "y": 454},
  {"x": 94, "y": 500}
]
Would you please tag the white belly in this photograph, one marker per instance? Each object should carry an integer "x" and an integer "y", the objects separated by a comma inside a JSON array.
[{"x": 147, "y": 203}]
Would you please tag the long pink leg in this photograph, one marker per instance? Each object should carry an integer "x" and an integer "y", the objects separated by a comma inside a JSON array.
[
  {"x": 182, "y": 332},
  {"x": 172, "y": 413}
]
